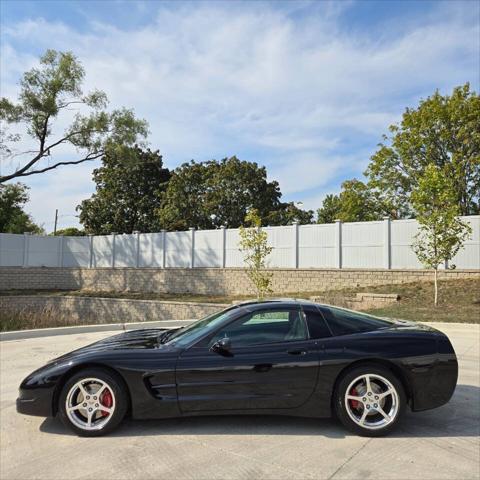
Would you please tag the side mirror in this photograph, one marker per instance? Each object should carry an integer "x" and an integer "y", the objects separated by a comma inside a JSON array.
[{"x": 222, "y": 346}]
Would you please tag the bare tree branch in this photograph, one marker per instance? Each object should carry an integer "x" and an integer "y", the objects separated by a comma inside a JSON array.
[
  {"x": 51, "y": 167},
  {"x": 44, "y": 151},
  {"x": 66, "y": 104}
]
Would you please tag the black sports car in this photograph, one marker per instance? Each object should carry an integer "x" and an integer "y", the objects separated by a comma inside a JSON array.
[{"x": 278, "y": 357}]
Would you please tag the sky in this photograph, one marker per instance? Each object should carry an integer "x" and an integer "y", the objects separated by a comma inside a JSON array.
[{"x": 306, "y": 88}]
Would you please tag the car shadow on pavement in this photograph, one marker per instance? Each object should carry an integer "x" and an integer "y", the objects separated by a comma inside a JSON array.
[{"x": 458, "y": 418}]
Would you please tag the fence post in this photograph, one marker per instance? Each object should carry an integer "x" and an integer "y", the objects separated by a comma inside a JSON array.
[
  {"x": 137, "y": 256},
  {"x": 26, "y": 238},
  {"x": 338, "y": 243},
  {"x": 224, "y": 245},
  {"x": 295, "y": 244},
  {"x": 192, "y": 243},
  {"x": 114, "y": 234},
  {"x": 387, "y": 242},
  {"x": 90, "y": 247},
  {"x": 164, "y": 248},
  {"x": 60, "y": 253}
]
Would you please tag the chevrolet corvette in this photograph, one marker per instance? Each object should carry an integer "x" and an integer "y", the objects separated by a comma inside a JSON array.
[{"x": 275, "y": 357}]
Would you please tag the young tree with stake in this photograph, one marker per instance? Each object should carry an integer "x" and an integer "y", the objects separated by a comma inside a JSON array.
[
  {"x": 254, "y": 245},
  {"x": 441, "y": 232}
]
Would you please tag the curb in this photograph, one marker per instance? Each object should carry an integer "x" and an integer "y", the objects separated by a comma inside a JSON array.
[{"x": 106, "y": 327}]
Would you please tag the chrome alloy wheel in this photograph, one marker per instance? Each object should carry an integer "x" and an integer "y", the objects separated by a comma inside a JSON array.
[
  {"x": 90, "y": 404},
  {"x": 371, "y": 401}
]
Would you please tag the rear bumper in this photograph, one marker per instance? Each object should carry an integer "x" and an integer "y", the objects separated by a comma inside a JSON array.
[{"x": 435, "y": 387}]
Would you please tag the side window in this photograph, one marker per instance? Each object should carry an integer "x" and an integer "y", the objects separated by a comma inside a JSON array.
[
  {"x": 317, "y": 326},
  {"x": 344, "y": 322},
  {"x": 266, "y": 326}
]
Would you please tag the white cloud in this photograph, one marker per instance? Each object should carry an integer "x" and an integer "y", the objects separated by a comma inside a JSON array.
[{"x": 304, "y": 95}]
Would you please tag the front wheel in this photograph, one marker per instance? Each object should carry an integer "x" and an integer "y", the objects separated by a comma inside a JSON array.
[
  {"x": 93, "y": 402},
  {"x": 369, "y": 400}
]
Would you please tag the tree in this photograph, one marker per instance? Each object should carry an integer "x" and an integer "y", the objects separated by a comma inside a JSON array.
[
  {"x": 443, "y": 131},
  {"x": 50, "y": 92},
  {"x": 70, "y": 232},
  {"x": 355, "y": 203},
  {"x": 287, "y": 213},
  {"x": 358, "y": 203},
  {"x": 441, "y": 233},
  {"x": 215, "y": 193},
  {"x": 184, "y": 204},
  {"x": 127, "y": 195},
  {"x": 330, "y": 209},
  {"x": 12, "y": 217},
  {"x": 254, "y": 244}
]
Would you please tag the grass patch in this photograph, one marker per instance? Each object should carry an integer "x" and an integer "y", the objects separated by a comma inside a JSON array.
[
  {"x": 459, "y": 301},
  {"x": 26, "y": 320}
]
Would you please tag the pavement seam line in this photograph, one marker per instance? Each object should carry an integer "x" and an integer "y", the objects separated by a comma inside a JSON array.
[
  {"x": 350, "y": 458},
  {"x": 467, "y": 350}
]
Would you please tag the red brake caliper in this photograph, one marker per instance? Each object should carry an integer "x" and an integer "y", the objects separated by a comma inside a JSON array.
[
  {"x": 354, "y": 403},
  {"x": 106, "y": 400}
]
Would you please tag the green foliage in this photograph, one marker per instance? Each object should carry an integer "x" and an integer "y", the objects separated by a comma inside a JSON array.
[
  {"x": 443, "y": 131},
  {"x": 358, "y": 203},
  {"x": 131, "y": 185},
  {"x": 288, "y": 213},
  {"x": 70, "y": 232},
  {"x": 441, "y": 233},
  {"x": 185, "y": 198},
  {"x": 211, "y": 194},
  {"x": 12, "y": 217},
  {"x": 330, "y": 209},
  {"x": 48, "y": 91},
  {"x": 253, "y": 243},
  {"x": 355, "y": 203}
]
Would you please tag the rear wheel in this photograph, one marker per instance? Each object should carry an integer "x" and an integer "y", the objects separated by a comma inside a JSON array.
[
  {"x": 93, "y": 402},
  {"x": 369, "y": 400}
]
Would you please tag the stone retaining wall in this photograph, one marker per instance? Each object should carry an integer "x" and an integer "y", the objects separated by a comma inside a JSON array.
[
  {"x": 209, "y": 281},
  {"x": 361, "y": 301},
  {"x": 74, "y": 310}
]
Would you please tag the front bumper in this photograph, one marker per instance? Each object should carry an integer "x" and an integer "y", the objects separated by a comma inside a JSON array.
[{"x": 36, "y": 403}]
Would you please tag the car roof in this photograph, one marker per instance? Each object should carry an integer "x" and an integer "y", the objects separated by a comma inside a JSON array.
[{"x": 277, "y": 302}]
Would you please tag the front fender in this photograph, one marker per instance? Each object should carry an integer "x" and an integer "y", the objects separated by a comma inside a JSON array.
[{"x": 37, "y": 390}]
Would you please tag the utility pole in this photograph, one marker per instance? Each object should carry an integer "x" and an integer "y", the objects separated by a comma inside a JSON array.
[{"x": 56, "y": 219}]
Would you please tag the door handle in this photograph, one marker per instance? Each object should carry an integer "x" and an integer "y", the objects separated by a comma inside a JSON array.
[{"x": 297, "y": 352}]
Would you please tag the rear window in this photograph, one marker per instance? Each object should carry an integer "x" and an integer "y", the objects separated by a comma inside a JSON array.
[{"x": 345, "y": 322}]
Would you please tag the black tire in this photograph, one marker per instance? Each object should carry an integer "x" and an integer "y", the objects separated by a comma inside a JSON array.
[
  {"x": 340, "y": 407},
  {"x": 118, "y": 389}
]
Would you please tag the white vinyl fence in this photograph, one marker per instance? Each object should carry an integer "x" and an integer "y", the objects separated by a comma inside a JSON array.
[{"x": 381, "y": 244}]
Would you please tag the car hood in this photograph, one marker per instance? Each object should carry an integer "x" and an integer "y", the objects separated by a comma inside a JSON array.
[{"x": 141, "y": 339}]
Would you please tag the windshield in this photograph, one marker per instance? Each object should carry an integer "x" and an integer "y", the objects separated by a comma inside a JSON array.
[{"x": 186, "y": 335}]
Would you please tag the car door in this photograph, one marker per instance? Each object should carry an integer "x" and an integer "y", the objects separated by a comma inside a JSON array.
[{"x": 271, "y": 364}]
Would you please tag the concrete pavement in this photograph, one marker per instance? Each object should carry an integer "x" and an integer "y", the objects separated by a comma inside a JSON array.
[{"x": 437, "y": 444}]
